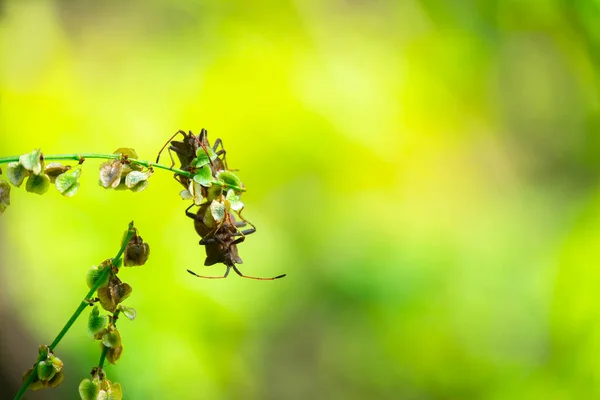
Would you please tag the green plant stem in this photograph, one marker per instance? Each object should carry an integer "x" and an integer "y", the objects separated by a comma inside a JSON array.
[
  {"x": 82, "y": 156},
  {"x": 102, "y": 357},
  {"x": 78, "y": 311}
]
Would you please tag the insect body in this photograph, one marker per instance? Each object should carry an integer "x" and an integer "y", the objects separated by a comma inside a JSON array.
[
  {"x": 221, "y": 239},
  {"x": 216, "y": 190},
  {"x": 187, "y": 152}
]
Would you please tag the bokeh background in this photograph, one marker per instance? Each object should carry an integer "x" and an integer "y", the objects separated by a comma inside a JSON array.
[{"x": 425, "y": 172}]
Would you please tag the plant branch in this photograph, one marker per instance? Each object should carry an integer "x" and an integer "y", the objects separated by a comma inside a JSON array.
[
  {"x": 78, "y": 311},
  {"x": 80, "y": 157},
  {"x": 102, "y": 357}
]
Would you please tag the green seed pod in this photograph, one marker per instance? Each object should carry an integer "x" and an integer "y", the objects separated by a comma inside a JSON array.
[
  {"x": 16, "y": 173},
  {"x": 96, "y": 322},
  {"x": 56, "y": 362},
  {"x": 4, "y": 196},
  {"x": 38, "y": 184},
  {"x": 57, "y": 380},
  {"x": 126, "y": 151},
  {"x": 36, "y": 384},
  {"x": 45, "y": 370},
  {"x": 136, "y": 252},
  {"x": 88, "y": 390},
  {"x": 204, "y": 176},
  {"x": 104, "y": 384},
  {"x": 93, "y": 275},
  {"x": 67, "y": 183},
  {"x": 110, "y": 174},
  {"x": 32, "y": 161},
  {"x": 137, "y": 181},
  {"x": 111, "y": 339},
  {"x": 113, "y": 294},
  {"x": 54, "y": 169},
  {"x": 234, "y": 200},
  {"x": 114, "y": 354},
  {"x": 129, "y": 312},
  {"x": 115, "y": 393},
  {"x": 231, "y": 181}
]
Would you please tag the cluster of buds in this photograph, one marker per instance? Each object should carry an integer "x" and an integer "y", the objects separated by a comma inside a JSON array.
[
  {"x": 111, "y": 292},
  {"x": 100, "y": 388},
  {"x": 40, "y": 176},
  {"x": 47, "y": 371},
  {"x": 119, "y": 173}
]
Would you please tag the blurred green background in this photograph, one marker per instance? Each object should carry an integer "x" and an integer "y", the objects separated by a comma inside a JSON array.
[{"x": 425, "y": 172}]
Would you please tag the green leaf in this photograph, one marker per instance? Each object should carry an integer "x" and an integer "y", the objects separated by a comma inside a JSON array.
[
  {"x": 88, "y": 390},
  {"x": 67, "y": 183},
  {"x": 96, "y": 322},
  {"x": 137, "y": 180},
  {"x": 202, "y": 158},
  {"x": 4, "y": 196},
  {"x": 231, "y": 181},
  {"x": 217, "y": 211},
  {"x": 204, "y": 176},
  {"x": 110, "y": 174},
  {"x": 38, "y": 184},
  {"x": 16, "y": 173},
  {"x": 32, "y": 161}
]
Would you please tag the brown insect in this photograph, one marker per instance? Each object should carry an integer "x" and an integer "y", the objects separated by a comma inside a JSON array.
[
  {"x": 186, "y": 153},
  {"x": 221, "y": 242}
]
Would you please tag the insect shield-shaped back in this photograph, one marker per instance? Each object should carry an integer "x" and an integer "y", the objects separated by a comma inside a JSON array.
[{"x": 221, "y": 247}]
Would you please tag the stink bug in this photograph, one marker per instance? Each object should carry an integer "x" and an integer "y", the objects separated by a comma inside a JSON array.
[{"x": 221, "y": 237}]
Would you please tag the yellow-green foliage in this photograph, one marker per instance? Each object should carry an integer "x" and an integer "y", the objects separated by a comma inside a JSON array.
[{"x": 425, "y": 172}]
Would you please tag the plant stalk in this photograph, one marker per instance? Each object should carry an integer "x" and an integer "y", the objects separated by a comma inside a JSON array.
[
  {"x": 82, "y": 156},
  {"x": 78, "y": 311}
]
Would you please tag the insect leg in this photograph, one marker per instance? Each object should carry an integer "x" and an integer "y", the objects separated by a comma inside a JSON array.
[
  {"x": 211, "y": 277},
  {"x": 189, "y": 214},
  {"x": 241, "y": 224},
  {"x": 237, "y": 271},
  {"x": 221, "y": 152},
  {"x": 210, "y": 240}
]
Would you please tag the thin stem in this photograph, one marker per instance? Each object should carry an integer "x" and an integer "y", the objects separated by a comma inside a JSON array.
[
  {"x": 82, "y": 156},
  {"x": 78, "y": 311},
  {"x": 102, "y": 357}
]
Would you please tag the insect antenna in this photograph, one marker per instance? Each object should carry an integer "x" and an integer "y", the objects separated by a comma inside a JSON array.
[
  {"x": 237, "y": 271},
  {"x": 165, "y": 145}
]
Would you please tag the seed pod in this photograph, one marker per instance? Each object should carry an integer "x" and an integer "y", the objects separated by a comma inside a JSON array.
[{"x": 88, "y": 390}]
